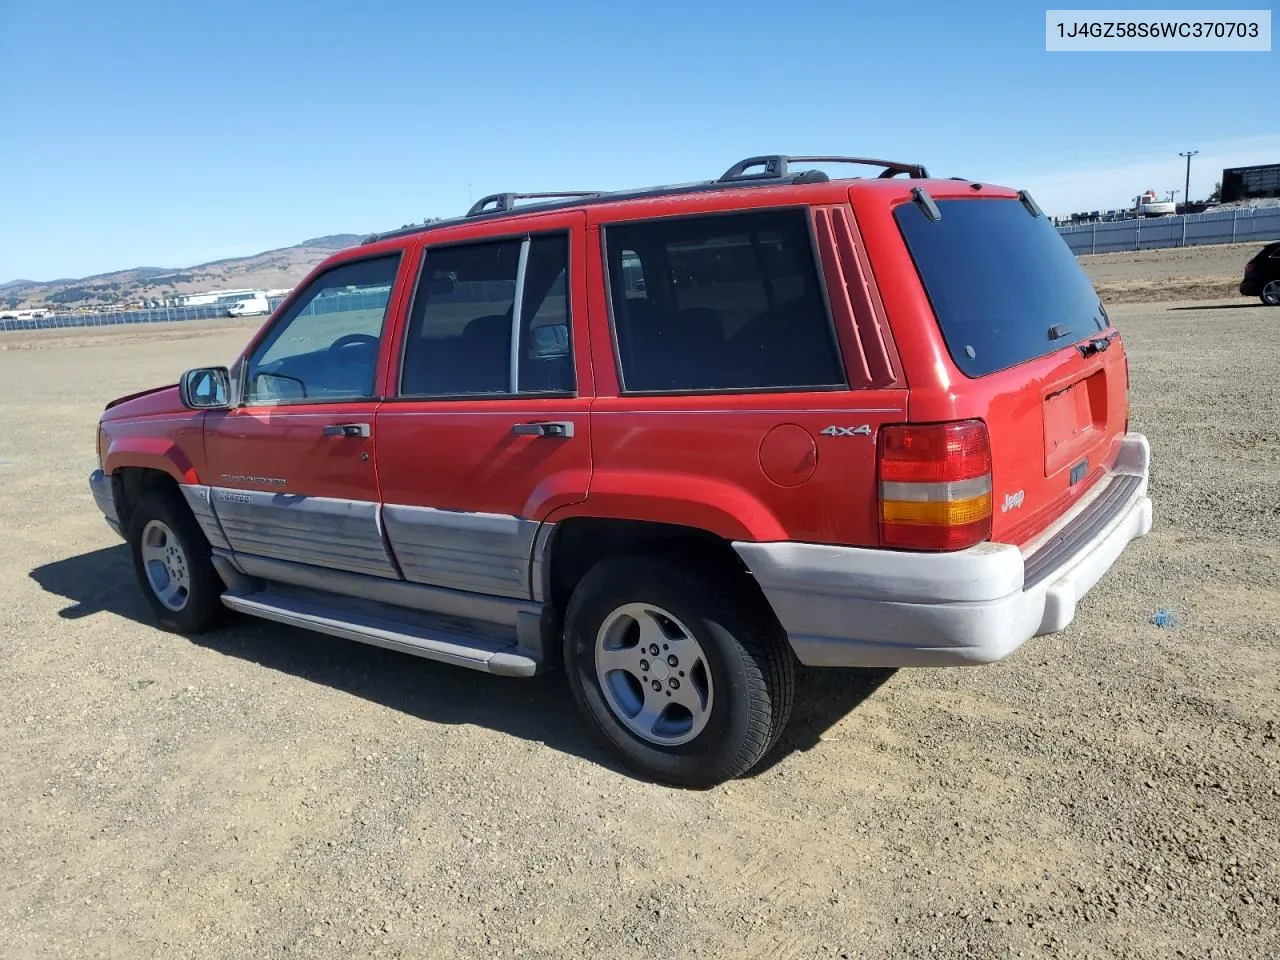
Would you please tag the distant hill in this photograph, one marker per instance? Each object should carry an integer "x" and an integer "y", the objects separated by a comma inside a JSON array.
[{"x": 269, "y": 270}]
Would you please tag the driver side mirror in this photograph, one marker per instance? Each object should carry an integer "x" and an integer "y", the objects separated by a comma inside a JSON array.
[{"x": 205, "y": 388}]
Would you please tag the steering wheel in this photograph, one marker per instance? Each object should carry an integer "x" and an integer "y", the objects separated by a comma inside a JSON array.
[{"x": 340, "y": 349}]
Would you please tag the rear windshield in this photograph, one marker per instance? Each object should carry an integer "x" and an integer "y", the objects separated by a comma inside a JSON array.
[{"x": 1003, "y": 284}]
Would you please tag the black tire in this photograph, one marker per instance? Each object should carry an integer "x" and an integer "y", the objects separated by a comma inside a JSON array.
[
  {"x": 747, "y": 655},
  {"x": 203, "y": 607}
]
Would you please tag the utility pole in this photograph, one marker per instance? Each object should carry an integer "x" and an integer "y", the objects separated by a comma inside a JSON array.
[{"x": 1186, "y": 192}]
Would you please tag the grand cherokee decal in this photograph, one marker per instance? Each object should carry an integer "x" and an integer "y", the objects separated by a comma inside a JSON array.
[{"x": 238, "y": 478}]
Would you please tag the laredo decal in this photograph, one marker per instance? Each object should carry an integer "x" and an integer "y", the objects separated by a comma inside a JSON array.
[{"x": 234, "y": 497}]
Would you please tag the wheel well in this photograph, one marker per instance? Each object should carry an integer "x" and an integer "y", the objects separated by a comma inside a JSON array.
[
  {"x": 579, "y": 544},
  {"x": 130, "y": 484}
]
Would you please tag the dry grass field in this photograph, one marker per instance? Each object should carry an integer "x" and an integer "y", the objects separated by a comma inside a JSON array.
[{"x": 260, "y": 792}]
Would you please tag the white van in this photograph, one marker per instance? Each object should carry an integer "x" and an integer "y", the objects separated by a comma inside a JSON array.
[{"x": 251, "y": 307}]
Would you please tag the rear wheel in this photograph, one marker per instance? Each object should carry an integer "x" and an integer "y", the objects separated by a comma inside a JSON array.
[
  {"x": 685, "y": 674},
  {"x": 172, "y": 560},
  {"x": 1271, "y": 293}
]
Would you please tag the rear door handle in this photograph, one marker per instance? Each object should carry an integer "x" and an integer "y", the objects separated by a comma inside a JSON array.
[
  {"x": 347, "y": 430},
  {"x": 546, "y": 428}
]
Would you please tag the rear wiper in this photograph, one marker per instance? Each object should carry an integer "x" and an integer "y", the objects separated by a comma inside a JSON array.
[{"x": 1096, "y": 345}]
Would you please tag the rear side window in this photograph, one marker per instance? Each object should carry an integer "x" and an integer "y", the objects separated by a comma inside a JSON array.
[
  {"x": 461, "y": 329},
  {"x": 729, "y": 302},
  {"x": 1004, "y": 285}
]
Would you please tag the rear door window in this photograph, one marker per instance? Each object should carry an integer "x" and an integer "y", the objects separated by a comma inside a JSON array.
[
  {"x": 461, "y": 328},
  {"x": 729, "y": 302},
  {"x": 1003, "y": 284}
]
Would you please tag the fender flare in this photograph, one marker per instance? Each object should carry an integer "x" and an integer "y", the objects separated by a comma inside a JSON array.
[
  {"x": 695, "y": 503},
  {"x": 154, "y": 453}
]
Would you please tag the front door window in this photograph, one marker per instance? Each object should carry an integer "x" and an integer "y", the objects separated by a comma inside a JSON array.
[{"x": 325, "y": 347}]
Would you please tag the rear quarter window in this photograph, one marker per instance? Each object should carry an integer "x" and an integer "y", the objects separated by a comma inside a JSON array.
[{"x": 999, "y": 280}]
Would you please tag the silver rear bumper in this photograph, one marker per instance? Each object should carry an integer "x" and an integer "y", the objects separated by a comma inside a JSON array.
[{"x": 854, "y": 607}]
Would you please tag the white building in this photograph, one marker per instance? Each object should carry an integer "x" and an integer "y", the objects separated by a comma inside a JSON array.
[{"x": 222, "y": 298}]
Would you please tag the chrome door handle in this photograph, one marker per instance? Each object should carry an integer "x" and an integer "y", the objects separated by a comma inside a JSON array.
[
  {"x": 547, "y": 428},
  {"x": 347, "y": 430}
]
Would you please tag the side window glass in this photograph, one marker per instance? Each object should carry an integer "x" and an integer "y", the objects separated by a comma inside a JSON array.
[
  {"x": 724, "y": 302},
  {"x": 546, "y": 357},
  {"x": 326, "y": 346},
  {"x": 632, "y": 274},
  {"x": 460, "y": 336}
]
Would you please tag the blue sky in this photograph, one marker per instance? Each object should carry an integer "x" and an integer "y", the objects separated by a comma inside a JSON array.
[{"x": 140, "y": 132}]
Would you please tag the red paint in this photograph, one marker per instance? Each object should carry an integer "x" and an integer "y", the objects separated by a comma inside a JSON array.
[
  {"x": 788, "y": 455},
  {"x": 153, "y": 429},
  {"x": 462, "y": 454},
  {"x": 735, "y": 465},
  {"x": 1011, "y": 401},
  {"x": 253, "y": 448}
]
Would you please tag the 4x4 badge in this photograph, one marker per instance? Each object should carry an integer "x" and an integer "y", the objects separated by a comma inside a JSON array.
[{"x": 862, "y": 431}]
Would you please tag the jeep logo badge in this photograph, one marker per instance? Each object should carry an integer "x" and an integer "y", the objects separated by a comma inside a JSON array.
[{"x": 1012, "y": 501}]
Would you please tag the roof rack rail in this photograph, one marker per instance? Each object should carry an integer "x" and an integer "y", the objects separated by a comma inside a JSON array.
[
  {"x": 776, "y": 166},
  {"x": 502, "y": 202}
]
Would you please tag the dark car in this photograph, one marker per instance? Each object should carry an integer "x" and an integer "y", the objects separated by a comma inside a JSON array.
[{"x": 1262, "y": 276}]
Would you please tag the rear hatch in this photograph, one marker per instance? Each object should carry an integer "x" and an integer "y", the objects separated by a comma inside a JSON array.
[{"x": 1039, "y": 359}]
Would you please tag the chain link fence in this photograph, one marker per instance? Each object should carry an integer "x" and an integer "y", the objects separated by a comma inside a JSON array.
[
  {"x": 56, "y": 321},
  {"x": 1240, "y": 225}
]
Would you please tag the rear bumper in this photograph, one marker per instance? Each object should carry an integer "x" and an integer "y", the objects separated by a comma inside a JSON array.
[
  {"x": 104, "y": 496},
  {"x": 852, "y": 607}
]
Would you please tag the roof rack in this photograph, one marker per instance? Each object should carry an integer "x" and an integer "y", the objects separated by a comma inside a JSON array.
[
  {"x": 777, "y": 166},
  {"x": 776, "y": 173},
  {"x": 502, "y": 202}
]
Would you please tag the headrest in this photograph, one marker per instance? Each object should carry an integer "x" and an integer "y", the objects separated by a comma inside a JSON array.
[{"x": 488, "y": 329}]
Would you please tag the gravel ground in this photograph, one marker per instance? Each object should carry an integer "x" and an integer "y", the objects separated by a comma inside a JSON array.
[
  {"x": 1210, "y": 272},
  {"x": 1113, "y": 791}
]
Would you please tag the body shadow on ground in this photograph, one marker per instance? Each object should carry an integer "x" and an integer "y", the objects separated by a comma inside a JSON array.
[
  {"x": 539, "y": 709},
  {"x": 1225, "y": 305}
]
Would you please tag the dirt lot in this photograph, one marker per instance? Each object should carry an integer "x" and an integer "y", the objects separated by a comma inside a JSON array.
[
  {"x": 1113, "y": 791},
  {"x": 1184, "y": 273}
]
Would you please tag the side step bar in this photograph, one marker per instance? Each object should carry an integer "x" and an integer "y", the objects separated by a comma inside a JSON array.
[{"x": 431, "y": 637}]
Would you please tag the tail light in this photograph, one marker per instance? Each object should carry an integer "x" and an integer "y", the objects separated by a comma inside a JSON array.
[
  {"x": 1248, "y": 266},
  {"x": 935, "y": 485}
]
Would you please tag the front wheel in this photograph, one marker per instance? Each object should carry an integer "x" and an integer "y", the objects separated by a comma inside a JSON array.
[
  {"x": 171, "y": 558},
  {"x": 685, "y": 674}
]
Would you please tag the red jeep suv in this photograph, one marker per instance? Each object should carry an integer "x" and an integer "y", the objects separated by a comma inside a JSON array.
[{"x": 674, "y": 440}]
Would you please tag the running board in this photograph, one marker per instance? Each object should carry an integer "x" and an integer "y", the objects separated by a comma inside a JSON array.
[{"x": 435, "y": 638}]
